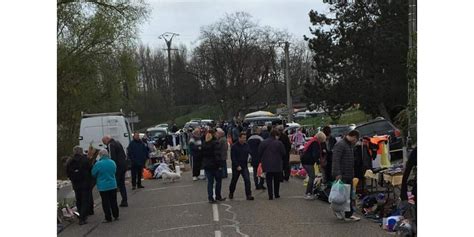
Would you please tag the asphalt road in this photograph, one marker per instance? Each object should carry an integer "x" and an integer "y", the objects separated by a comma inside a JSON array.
[{"x": 181, "y": 209}]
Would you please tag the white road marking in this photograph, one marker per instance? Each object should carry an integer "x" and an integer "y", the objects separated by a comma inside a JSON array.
[
  {"x": 176, "y": 205},
  {"x": 215, "y": 212},
  {"x": 217, "y": 233},
  {"x": 154, "y": 189},
  {"x": 176, "y": 228}
]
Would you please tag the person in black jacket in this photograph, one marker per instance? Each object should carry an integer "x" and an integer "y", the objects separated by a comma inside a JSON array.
[
  {"x": 79, "y": 172},
  {"x": 286, "y": 159},
  {"x": 212, "y": 167},
  {"x": 117, "y": 154},
  {"x": 271, "y": 151},
  {"x": 138, "y": 154},
  {"x": 312, "y": 154},
  {"x": 254, "y": 142},
  {"x": 239, "y": 155},
  {"x": 343, "y": 166},
  {"x": 327, "y": 146}
]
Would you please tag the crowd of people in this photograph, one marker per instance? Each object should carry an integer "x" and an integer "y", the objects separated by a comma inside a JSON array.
[
  {"x": 266, "y": 148},
  {"x": 105, "y": 169}
]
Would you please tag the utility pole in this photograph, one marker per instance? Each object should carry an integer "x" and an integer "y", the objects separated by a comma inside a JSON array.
[
  {"x": 168, "y": 37},
  {"x": 289, "y": 104},
  {"x": 411, "y": 108}
]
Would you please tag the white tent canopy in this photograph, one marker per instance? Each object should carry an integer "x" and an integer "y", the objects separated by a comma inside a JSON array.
[{"x": 260, "y": 114}]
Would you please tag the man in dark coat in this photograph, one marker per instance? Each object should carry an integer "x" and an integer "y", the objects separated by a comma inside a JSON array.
[
  {"x": 222, "y": 147},
  {"x": 138, "y": 154},
  {"x": 254, "y": 142},
  {"x": 117, "y": 154},
  {"x": 343, "y": 165},
  {"x": 327, "y": 152},
  {"x": 78, "y": 170},
  {"x": 286, "y": 159},
  {"x": 271, "y": 151},
  {"x": 212, "y": 164},
  {"x": 239, "y": 155}
]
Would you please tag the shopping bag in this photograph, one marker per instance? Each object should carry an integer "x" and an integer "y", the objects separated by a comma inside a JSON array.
[
  {"x": 338, "y": 193},
  {"x": 316, "y": 169},
  {"x": 147, "y": 174},
  {"x": 259, "y": 170},
  {"x": 346, "y": 193}
]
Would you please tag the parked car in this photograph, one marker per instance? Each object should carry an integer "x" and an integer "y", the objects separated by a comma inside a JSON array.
[
  {"x": 339, "y": 131},
  {"x": 381, "y": 126},
  {"x": 300, "y": 115},
  {"x": 208, "y": 122},
  {"x": 263, "y": 121},
  {"x": 191, "y": 125},
  {"x": 163, "y": 125},
  {"x": 157, "y": 133}
]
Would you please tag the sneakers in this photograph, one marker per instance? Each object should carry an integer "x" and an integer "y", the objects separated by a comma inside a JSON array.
[
  {"x": 195, "y": 178},
  {"x": 221, "y": 199},
  {"x": 352, "y": 218},
  {"x": 141, "y": 186},
  {"x": 309, "y": 197},
  {"x": 250, "y": 198},
  {"x": 201, "y": 177},
  {"x": 339, "y": 215}
]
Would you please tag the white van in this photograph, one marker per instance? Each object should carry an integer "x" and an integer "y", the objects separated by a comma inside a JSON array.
[{"x": 96, "y": 126}]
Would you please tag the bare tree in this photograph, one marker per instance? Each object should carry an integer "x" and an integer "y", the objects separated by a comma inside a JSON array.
[{"x": 236, "y": 60}]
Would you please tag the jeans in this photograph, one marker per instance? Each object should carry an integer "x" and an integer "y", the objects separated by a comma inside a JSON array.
[
  {"x": 273, "y": 183},
  {"x": 212, "y": 174},
  {"x": 83, "y": 202},
  {"x": 310, "y": 170},
  {"x": 235, "y": 177},
  {"x": 257, "y": 180},
  {"x": 120, "y": 177},
  {"x": 136, "y": 170},
  {"x": 109, "y": 203}
]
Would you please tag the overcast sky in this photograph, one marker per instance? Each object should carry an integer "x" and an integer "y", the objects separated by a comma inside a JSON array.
[{"x": 186, "y": 17}]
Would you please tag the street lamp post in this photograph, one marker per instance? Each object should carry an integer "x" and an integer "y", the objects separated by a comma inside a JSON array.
[{"x": 289, "y": 103}]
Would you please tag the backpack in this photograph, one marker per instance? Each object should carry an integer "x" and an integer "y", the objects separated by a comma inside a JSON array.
[{"x": 75, "y": 171}]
